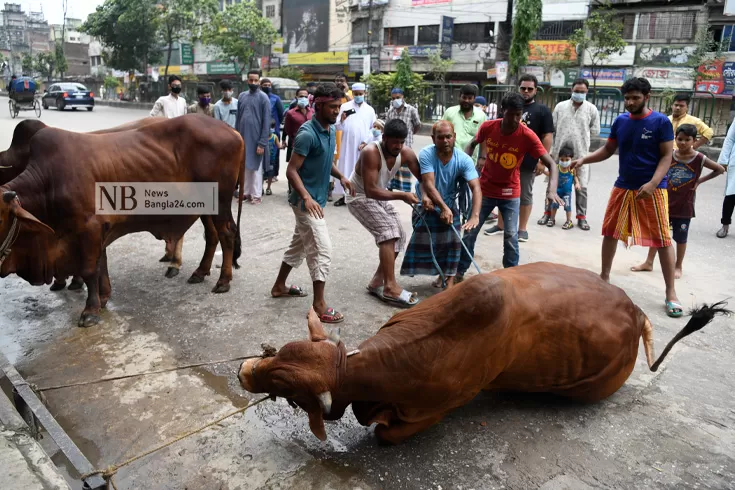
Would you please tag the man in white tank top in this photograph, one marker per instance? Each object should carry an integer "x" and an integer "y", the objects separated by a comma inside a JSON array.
[{"x": 377, "y": 165}]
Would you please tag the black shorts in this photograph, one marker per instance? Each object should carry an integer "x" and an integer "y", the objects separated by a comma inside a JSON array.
[{"x": 680, "y": 229}]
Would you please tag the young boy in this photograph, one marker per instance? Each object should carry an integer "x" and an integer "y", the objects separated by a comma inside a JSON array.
[
  {"x": 376, "y": 133},
  {"x": 567, "y": 177},
  {"x": 684, "y": 179},
  {"x": 275, "y": 145}
]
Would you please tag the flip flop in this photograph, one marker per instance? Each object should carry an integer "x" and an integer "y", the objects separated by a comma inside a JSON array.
[
  {"x": 404, "y": 300},
  {"x": 377, "y": 291},
  {"x": 551, "y": 223},
  {"x": 545, "y": 219},
  {"x": 268, "y": 192},
  {"x": 293, "y": 292},
  {"x": 674, "y": 309},
  {"x": 331, "y": 316}
]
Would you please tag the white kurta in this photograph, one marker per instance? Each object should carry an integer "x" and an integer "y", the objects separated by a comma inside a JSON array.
[
  {"x": 727, "y": 157},
  {"x": 356, "y": 129}
]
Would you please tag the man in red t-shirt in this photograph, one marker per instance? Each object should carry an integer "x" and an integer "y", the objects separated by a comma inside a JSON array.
[{"x": 503, "y": 144}]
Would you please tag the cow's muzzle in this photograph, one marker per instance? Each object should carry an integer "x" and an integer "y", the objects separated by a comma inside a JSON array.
[{"x": 245, "y": 375}]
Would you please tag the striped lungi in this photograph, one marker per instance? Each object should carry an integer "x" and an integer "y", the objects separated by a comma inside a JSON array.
[
  {"x": 402, "y": 181},
  {"x": 380, "y": 218},
  {"x": 446, "y": 244},
  {"x": 644, "y": 222}
]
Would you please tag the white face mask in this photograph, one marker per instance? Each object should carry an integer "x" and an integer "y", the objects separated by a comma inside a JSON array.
[
  {"x": 577, "y": 97},
  {"x": 376, "y": 133},
  {"x": 565, "y": 163},
  {"x": 397, "y": 103},
  {"x": 227, "y": 95}
]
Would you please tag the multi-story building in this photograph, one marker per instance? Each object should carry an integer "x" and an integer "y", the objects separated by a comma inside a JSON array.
[
  {"x": 21, "y": 34},
  {"x": 76, "y": 46}
]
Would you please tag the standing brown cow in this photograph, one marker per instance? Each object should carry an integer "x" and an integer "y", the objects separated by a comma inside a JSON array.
[
  {"x": 489, "y": 333},
  {"x": 47, "y": 213}
]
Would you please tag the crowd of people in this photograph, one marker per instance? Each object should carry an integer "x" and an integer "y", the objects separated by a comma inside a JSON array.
[{"x": 480, "y": 168}]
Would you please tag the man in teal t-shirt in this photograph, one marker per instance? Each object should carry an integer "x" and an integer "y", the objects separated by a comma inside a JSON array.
[{"x": 308, "y": 174}]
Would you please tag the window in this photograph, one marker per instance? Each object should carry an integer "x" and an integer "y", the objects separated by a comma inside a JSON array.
[
  {"x": 628, "y": 25},
  {"x": 557, "y": 30},
  {"x": 478, "y": 32},
  {"x": 429, "y": 34},
  {"x": 727, "y": 36},
  {"x": 359, "y": 31},
  {"x": 666, "y": 25},
  {"x": 399, "y": 36},
  {"x": 270, "y": 11}
]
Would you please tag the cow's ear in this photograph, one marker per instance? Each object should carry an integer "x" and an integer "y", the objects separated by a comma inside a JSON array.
[
  {"x": 316, "y": 424},
  {"x": 30, "y": 222},
  {"x": 316, "y": 330}
]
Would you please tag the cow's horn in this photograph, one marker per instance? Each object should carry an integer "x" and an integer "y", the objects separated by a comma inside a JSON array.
[
  {"x": 325, "y": 400},
  {"x": 9, "y": 196},
  {"x": 334, "y": 335}
]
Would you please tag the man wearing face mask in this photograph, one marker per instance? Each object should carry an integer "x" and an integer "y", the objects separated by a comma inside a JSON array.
[
  {"x": 254, "y": 125},
  {"x": 295, "y": 118},
  {"x": 276, "y": 115},
  {"x": 399, "y": 109},
  {"x": 173, "y": 104},
  {"x": 204, "y": 105},
  {"x": 575, "y": 121},
  {"x": 226, "y": 108},
  {"x": 355, "y": 120}
]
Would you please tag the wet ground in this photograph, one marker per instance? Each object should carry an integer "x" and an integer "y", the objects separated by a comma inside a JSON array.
[{"x": 671, "y": 429}]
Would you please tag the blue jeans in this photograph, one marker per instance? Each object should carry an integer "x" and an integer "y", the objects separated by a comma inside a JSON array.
[{"x": 509, "y": 210}]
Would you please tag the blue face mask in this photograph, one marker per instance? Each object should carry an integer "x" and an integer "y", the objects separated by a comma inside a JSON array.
[
  {"x": 302, "y": 101},
  {"x": 376, "y": 133},
  {"x": 576, "y": 97},
  {"x": 359, "y": 99}
]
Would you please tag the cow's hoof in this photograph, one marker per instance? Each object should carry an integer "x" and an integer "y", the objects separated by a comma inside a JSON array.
[
  {"x": 172, "y": 272},
  {"x": 89, "y": 320},
  {"x": 195, "y": 279},
  {"x": 58, "y": 285},
  {"x": 165, "y": 258},
  {"x": 221, "y": 288},
  {"x": 76, "y": 284}
]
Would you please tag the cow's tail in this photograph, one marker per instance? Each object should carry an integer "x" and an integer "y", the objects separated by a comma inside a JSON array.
[
  {"x": 238, "y": 239},
  {"x": 700, "y": 317}
]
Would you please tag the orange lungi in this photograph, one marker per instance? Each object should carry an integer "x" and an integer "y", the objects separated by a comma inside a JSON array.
[{"x": 644, "y": 222}]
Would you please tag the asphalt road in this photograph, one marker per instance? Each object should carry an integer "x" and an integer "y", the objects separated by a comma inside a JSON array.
[{"x": 671, "y": 429}]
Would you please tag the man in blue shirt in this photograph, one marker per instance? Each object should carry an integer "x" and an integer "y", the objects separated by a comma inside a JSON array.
[
  {"x": 309, "y": 171},
  {"x": 443, "y": 169},
  {"x": 637, "y": 212},
  {"x": 276, "y": 115},
  {"x": 226, "y": 108}
]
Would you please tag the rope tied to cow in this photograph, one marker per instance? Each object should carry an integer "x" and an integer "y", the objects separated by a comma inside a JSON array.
[{"x": 109, "y": 472}]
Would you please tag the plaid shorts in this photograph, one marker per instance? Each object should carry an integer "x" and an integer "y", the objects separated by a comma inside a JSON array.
[{"x": 380, "y": 218}]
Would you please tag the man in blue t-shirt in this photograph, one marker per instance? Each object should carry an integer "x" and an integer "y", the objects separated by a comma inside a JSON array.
[
  {"x": 637, "y": 213},
  {"x": 443, "y": 168},
  {"x": 308, "y": 174}
]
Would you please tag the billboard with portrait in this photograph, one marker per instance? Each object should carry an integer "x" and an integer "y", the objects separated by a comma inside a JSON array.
[{"x": 305, "y": 26}]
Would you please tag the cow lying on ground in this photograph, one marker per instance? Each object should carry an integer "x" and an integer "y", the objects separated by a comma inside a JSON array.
[
  {"x": 14, "y": 160},
  {"x": 47, "y": 213},
  {"x": 536, "y": 328}
]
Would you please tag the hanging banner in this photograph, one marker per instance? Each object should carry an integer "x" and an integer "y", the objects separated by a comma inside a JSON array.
[
  {"x": 543, "y": 50},
  {"x": 728, "y": 77},
  {"x": 447, "y": 36},
  {"x": 710, "y": 77},
  {"x": 501, "y": 71}
]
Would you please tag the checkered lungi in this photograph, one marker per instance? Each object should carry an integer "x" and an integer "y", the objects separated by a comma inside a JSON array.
[
  {"x": 380, "y": 218},
  {"x": 447, "y": 247},
  {"x": 644, "y": 223}
]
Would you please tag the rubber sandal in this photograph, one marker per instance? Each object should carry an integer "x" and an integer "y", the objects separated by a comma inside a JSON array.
[
  {"x": 543, "y": 220},
  {"x": 268, "y": 192},
  {"x": 331, "y": 316},
  {"x": 340, "y": 202},
  {"x": 551, "y": 223},
  {"x": 377, "y": 291},
  {"x": 722, "y": 233},
  {"x": 568, "y": 225},
  {"x": 583, "y": 225},
  {"x": 404, "y": 300},
  {"x": 293, "y": 292},
  {"x": 674, "y": 309}
]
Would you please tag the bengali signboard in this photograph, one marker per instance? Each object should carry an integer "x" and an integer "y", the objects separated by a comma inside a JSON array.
[
  {"x": 221, "y": 68},
  {"x": 447, "y": 36},
  {"x": 728, "y": 76},
  {"x": 660, "y": 77},
  {"x": 424, "y": 51},
  {"x": 187, "y": 54},
  {"x": 710, "y": 77},
  {"x": 606, "y": 77},
  {"x": 543, "y": 50},
  {"x": 501, "y": 71},
  {"x": 419, "y": 3},
  {"x": 326, "y": 58}
]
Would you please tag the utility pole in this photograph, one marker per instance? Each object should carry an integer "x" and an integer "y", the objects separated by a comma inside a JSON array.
[{"x": 370, "y": 34}]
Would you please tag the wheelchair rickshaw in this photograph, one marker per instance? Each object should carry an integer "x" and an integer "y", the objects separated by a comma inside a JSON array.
[{"x": 22, "y": 94}]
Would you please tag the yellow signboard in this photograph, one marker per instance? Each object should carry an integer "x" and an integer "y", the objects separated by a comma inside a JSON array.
[
  {"x": 545, "y": 50},
  {"x": 327, "y": 58}
]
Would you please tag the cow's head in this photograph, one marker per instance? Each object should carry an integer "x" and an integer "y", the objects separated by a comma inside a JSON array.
[
  {"x": 17, "y": 225},
  {"x": 304, "y": 372}
]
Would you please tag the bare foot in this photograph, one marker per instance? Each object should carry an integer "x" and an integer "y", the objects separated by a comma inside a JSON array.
[
  {"x": 677, "y": 273},
  {"x": 605, "y": 278},
  {"x": 644, "y": 267}
]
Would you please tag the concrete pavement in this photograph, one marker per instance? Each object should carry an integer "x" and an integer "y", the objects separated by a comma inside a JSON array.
[{"x": 671, "y": 429}]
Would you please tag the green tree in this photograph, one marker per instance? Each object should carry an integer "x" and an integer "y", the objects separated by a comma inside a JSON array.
[
  {"x": 27, "y": 62},
  {"x": 60, "y": 59},
  {"x": 600, "y": 37},
  {"x": 438, "y": 66},
  {"x": 404, "y": 72},
  {"x": 182, "y": 20},
  {"x": 237, "y": 31},
  {"x": 526, "y": 23},
  {"x": 287, "y": 72},
  {"x": 45, "y": 64},
  {"x": 128, "y": 30},
  {"x": 413, "y": 85}
]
